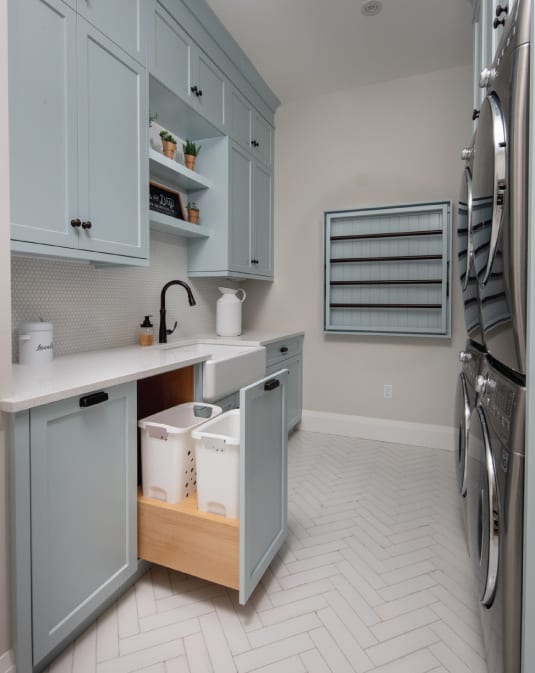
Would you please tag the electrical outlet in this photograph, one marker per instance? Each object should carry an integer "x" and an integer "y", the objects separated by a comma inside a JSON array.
[{"x": 388, "y": 391}]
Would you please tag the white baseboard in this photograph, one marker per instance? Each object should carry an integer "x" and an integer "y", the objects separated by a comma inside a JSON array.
[
  {"x": 7, "y": 662},
  {"x": 380, "y": 429}
]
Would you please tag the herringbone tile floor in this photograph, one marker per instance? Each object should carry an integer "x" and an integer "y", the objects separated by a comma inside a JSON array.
[{"x": 374, "y": 576}]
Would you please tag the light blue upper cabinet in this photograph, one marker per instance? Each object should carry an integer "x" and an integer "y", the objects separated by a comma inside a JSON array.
[
  {"x": 123, "y": 21},
  {"x": 170, "y": 53},
  {"x": 210, "y": 89},
  {"x": 240, "y": 239},
  {"x": 112, "y": 106},
  {"x": 241, "y": 115},
  {"x": 178, "y": 63},
  {"x": 80, "y": 189},
  {"x": 43, "y": 124},
  {"x": 262, "y": 139},
  {"x": 262, "y": 220}
]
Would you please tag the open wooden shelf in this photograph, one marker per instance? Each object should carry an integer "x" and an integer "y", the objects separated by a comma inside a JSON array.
[{"x": 185, "y": 539}]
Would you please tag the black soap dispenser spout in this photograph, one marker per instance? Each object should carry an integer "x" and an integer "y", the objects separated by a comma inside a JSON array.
[{"x": 164, "y": 332}]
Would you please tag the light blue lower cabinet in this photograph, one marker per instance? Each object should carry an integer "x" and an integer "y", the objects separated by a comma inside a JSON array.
[
  {"x": 288, "y": 353},
  {"x": 73, "y": 516},
  {"x": 294, "y": 365},
  {"x": 231, "y": 552}
]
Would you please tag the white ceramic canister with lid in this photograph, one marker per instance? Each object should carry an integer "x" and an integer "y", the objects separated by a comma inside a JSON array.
[
  {"x": 35, "y": 343},
  {"x": 228, "y": 312}
]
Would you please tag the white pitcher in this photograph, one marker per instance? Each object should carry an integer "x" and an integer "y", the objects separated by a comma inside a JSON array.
[{"x": 228, "y": 313}]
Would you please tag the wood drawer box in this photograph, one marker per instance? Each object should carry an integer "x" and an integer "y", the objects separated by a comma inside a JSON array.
[{"x": 197, "y": 543}]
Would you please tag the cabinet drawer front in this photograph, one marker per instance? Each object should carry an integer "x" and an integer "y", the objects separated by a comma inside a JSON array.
[{"x": 283, "y": 349}]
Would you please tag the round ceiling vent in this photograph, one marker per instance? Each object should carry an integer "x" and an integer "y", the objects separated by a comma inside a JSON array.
[{"x": 371, "y": 7}]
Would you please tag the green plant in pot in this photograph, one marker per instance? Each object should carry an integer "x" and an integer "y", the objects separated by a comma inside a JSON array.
[
  {"x": 168, "y": 144},
  {"x": 193, "y": 212},
  {"x": 191, "y": 151}
]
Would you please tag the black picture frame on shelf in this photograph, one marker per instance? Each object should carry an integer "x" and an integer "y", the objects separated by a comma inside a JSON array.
[{"x": 164, "y": 200}]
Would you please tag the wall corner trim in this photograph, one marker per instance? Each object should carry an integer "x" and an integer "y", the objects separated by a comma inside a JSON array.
[
  {"x": 380, "y": 429},
  {"x": 7, "y": 662}
]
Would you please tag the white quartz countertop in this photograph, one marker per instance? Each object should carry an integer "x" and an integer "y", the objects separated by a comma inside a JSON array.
[{"x": 82, "y": 373}]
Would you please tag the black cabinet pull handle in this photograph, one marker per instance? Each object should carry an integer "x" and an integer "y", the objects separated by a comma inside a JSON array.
[
  {"x": 86, "y": 225},
  {"x": 271, "y": 384},
  {"x": 475, "y": 114},
  {"x": 75, "y": 223},
  {"x": 501, "y": 10},
  {"x": 284, "y": 349},
  {"x": 94, "y": 398},
  {"x": 498, "y": 22}
]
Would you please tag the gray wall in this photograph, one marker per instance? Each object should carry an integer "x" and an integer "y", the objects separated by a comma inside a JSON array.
[
  {"x": 385, "y": 144},
  {"x": 5, "y": 328}
]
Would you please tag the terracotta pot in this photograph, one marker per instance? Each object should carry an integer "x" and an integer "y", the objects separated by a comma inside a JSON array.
[
  {"x": 189, "y": 161},
  {"x": 193, "y": 216},
  {"x": 169, "y": 149}
]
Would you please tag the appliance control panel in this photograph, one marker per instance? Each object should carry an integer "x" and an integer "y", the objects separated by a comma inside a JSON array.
[{"x": 499, "y": 399}]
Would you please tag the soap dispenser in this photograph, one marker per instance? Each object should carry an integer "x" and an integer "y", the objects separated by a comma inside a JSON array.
[{"x": 146, "y": 332}]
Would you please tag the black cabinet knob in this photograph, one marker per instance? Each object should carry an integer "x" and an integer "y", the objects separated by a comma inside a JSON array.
[
  {"x": 284, "y": 349},
  {"x": 75, "y": 223},
  {"x": 501, "y": 10},
  {"x": 498, "y": 22},
  {"x": 199, "y": 92},
  {"x": 475, "y": 114},
  {"x": 86, "y": 225},
  {"x": 194, "y": 90}
]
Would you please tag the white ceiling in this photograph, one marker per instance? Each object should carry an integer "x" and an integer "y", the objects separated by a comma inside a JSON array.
[{"x": 307, "y": 47}]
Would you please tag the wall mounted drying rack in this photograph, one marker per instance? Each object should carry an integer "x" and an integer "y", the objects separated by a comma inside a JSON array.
[{"x": 387, "y": 270}]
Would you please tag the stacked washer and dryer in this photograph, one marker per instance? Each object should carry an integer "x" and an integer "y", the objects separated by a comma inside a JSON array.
[{"x": 492, "y": 250}]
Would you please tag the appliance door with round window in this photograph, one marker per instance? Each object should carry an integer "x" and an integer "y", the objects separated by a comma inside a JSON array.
[{"x": 483, "y": 510}]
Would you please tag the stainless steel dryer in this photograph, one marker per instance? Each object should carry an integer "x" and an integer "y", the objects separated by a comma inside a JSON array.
[
  {"x": 465, "y": 253},
  {"x": 495, "y": 476},
  {"x": 500, "y": 188}
]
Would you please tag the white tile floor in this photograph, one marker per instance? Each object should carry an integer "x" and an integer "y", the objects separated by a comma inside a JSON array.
[{"x": 374, "y": 576}]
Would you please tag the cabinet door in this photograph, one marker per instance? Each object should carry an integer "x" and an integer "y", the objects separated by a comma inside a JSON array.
[
  {"x": 262, "y": 139},
  {"x": 262, "y": 225},
  {"x": 294, "y": 392},
  {"x": 171, "y": 54},
  {"x": 42, "y": 107},
  {"x": 83, "y": 509},
  {"x": 240, "y": 184},
  {"x": 123, "y": 21},
  {"x": 263, "y": 477},
  {"x": 240, "y": 119},
  {"x": 210, "y": 83},
  {"x": 113, "y": 147}
]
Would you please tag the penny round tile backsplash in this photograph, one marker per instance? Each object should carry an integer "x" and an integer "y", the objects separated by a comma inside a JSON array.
[{"x": 93, "y": 308}]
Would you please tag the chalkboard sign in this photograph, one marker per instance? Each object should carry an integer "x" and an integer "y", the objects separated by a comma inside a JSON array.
[{"x": 166, "y": 201}]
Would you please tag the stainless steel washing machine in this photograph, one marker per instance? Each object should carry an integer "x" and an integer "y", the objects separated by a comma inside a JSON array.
[
  {"x": 471, "y": 358},
  {"x": 495, "y": 488},
  {"x": 499, "y": 192}
]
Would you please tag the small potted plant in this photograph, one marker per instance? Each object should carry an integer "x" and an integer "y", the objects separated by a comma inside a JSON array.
[
  {"x": 191, "y": 151},
  {"x": 168, "y": 144},
  {"x": 193, "y": 212}
]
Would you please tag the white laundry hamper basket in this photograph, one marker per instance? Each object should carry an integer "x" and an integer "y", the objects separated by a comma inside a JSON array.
[
  {"x": 168, "y": 470},
  {"x": 217, "y": 455}
]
